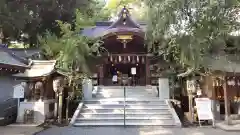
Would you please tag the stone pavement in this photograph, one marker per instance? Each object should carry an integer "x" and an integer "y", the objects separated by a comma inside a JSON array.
[
  {"x": 223, "y": 126},
  {"x": 19, "y": 130},
  {"x": 134, "y": 131}
]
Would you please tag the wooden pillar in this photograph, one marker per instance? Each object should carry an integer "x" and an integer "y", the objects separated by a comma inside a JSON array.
[
  {"x": 212, "y": 87},
  {"x": 147, "y": 71},
  {"x": 101, "y": 74}
]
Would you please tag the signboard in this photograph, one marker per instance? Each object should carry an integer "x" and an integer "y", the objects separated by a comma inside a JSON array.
[
  {"x": 133, "y": 71},
  {"x": 204, "y": 109},
  {"x": 191, "y": 85},
  {"x": 18, "y": 91}
]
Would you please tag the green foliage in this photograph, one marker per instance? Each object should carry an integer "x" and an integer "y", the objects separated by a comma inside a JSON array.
[
  {"x": 186, "y": 31},
  {"x": 34, "y": 17},
  {"x": 71, "y": 49},
  {"x": 13, "y": 17}
]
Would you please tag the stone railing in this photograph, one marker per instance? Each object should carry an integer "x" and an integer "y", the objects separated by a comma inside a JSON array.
[
  {"x": 174, "y": 114},
  {"x": 76, "y": 114}
]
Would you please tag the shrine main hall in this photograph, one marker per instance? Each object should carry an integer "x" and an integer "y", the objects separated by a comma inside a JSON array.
[{"x": 126, "y": 51}]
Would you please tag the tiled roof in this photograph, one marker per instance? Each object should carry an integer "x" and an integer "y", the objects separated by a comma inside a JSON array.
[
  {"x": 225, "y": 63},
  {"x": 104, "y": 28},
  {"x": 39, "y": 68},
  {"x": 25, "y": 53},
  {"x": 216, "y": 62},
  {"x": 8, "y": 58}
]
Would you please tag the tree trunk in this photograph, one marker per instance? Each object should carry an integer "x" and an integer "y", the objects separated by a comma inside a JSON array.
[
  {"x": 212, "y": 88},
  {"x": 1, "y": 36},
  {"x": 226, "y": 103}
]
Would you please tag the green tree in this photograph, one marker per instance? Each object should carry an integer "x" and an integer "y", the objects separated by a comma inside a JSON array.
[
  {"x": 13, "y": 17},
  {"x": 46, "y": 12},
  {"x": 34, "y": 17},
  {"x": 72, "y": 50},
  {"x": 188, "y": 31},
  {"x": 185, "y": 31}
]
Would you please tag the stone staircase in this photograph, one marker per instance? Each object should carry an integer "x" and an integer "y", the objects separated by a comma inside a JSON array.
[
  {"x": 118, "y": 91},
  {"x": 142, "y": 107}
]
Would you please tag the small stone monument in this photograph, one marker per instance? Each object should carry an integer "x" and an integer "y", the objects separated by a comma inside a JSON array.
[
  {"x": 87, "y": 88},
  {"x": 164, "y": 91}
]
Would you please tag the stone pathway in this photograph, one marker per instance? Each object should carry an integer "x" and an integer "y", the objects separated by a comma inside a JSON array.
[
  {"x": 19, "y": 130},
  {"x": 234, "y": 127},
  {"x": 134, "y": 131}
]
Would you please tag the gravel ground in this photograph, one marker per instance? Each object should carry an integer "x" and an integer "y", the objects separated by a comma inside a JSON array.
[{"x": 134, "y": 131}]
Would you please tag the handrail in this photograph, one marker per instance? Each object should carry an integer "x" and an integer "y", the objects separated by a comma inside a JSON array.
[
  {"x": 7, "y": 99},
  {"x": 124, "y": 111}
]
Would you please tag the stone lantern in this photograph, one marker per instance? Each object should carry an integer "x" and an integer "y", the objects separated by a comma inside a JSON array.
[
  {"x": 58, "y": 87},
  {"x": 191, "y": 88}
]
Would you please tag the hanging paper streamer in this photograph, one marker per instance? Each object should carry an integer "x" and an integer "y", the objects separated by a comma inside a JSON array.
[
  {"x": 143, "y": 60},
  {"x": 115, "y": 60},
  {"x": 119, "y": 58},
  {"x": 111, "y": 58},
  {"x": 124, "y": 59},
  {"x": 133, "y": 60},
  {"x": 137, "y": 59}
]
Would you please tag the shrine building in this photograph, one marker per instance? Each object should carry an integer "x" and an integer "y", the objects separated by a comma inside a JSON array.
[{"x": 126, "y": 51}]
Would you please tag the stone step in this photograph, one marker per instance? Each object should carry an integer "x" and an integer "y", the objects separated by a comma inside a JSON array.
[
  {"x": 128, "y": 110},
  {"x": 121, "y": 102},
  {"x": 105, "y": 94},
  {"x": 164, "y": 113},
  {"x": 94, "y": 106},
  {"x": 128, "y": 99},
  {"x": 128, "y": 116},
  {"x": 116, "y": 96},
  {"x": 126, "y": 90},
  {"x": 127, "y": 87},
  {"x": 122, "y": 93},
  {"x": 126, "y": 104},
  {"x": 122, "y": 114},
  {"x": 170, "y": 124},
  {"x": 127, "y": 121}
]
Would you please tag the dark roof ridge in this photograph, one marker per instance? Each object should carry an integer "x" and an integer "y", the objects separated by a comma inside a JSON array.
[
  {"x": 11, "y": 53},
  {"x": 22, "y": 49},
  {"x": 124, "y": 16}
]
